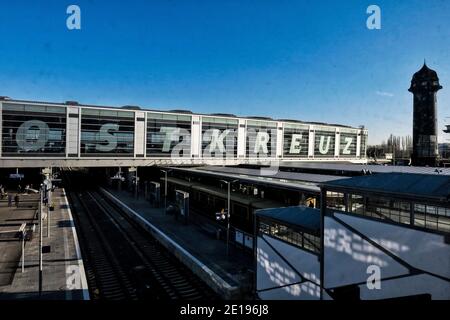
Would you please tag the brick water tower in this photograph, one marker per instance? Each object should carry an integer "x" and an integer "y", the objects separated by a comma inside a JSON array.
[{"x": 424, "y": 87}]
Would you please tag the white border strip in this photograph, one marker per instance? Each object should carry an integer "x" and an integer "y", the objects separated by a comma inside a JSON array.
[
  {"x": 84, "y": 285},
  {"x": 216, "y": 278}
]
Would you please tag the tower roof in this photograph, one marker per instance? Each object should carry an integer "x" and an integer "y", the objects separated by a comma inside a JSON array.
[
  {"x": 425, "y": 73},
  {"x": 425, "y": 79}
]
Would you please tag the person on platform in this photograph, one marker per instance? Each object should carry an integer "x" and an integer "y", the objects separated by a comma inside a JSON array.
[{"x": 17, "y": 200}]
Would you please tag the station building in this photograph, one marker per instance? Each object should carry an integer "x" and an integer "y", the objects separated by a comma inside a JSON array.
[
  {"x": 318, "y": 224},
  {"x": 45, "y": 134}
]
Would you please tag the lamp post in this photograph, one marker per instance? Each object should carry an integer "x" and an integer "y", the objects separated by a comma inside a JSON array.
[
  {"x": 136, "y": 190},
  {"x": 48, "y": 218},
  {"x": 23, "y": 249},
  {"x": 165, "y": 189},
  {"x": 41, "y": 203},
  {"x": 49, "y": 196},
  {"x": 228, "y": 211},
  {"x": 119, "y": 174}
]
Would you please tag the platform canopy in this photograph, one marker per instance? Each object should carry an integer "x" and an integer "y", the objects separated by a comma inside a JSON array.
[
  {"x": 358, "y": 169},
  {"x": 299, "y": 217},
  {"x": 281, "y": 175},
  {"x": 258, "y": 180},
  {"x": 401, "y": 185}
]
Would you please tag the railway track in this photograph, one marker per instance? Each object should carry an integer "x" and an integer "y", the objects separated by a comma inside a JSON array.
[{"x": 122, "y": 260}]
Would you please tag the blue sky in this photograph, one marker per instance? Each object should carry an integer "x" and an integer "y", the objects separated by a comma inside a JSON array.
[{"x": 307, "y": 60}]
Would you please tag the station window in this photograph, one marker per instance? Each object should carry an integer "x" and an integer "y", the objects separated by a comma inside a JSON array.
[
  {"x": 107, "y": 133},
  {"x": 261, "y": 139},
  {"x": 425, "y": 216},
  {"x": 356, "y": 204},
  {"x": 382, "y": 208},
  {"x": 213, "y": 126},
  {"x": 167, "y": 131},
  {"x": 299, "y": 239},
  {"x": 324, "y": 142},
  {"x": 264, "y": 228},
  {"x": 311, "y": 242},
  {"x": 335, "y": 200},
  {"x": 33, "y": 130},
  {"x": 432, "y": 217},
  {"x": 295, "y": 141},
  {"x": 347, "y": 144}
]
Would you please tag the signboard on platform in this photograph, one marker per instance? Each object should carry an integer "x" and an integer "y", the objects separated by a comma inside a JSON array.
[
  {"x": 248, "y": 241},
  {"x": 239, "y": 237},
  {"x": 182, "y": 200},
  {"x": 16, "y": 176}
]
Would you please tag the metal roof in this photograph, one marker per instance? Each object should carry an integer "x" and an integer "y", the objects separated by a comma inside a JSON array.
[
  {"x": 348, "y": 167},
  {"x": 406, "y": 185},
  {"x": 223, "y": 115},
  {"x": 256, "y": 202},
  {"x": 301, "y": 217},
  {"x": 259, "y": 180},
  {"x": 260, "y": 118},
  {"x": 180, "y": 111},
  {"x": 297, "y": 176}
]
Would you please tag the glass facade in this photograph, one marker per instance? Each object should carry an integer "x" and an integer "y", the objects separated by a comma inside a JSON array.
[
  {"x": 382, "y": 208},
  {"x": 324, "y": 142},
  {"x": 397, "y": 211},
  {"x": 347, "y": 144},
  {"x": 432, "y": 217},
  {"x": 356, "y": 204},
  {"x": 168, "y": 135},
  {"x": 300, "y": 239},
  {"x": 42, "y": 130},
  {"x": 336, "y": 200},
  {"x": 295, "y": 141},
  {"x": 261, "y": 139},
  {"x": 107, "y": 133},
  {"x": 33, "y": 130},
  {"x": 219, "y": 137}
]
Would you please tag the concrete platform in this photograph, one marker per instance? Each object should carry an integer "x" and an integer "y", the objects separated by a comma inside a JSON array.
[
  {"x": 63, "y": 276},
  {"x": 11, "y": 219},
  {"x": 203, "y": 254}
]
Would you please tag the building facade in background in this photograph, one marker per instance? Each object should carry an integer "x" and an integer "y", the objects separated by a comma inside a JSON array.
[{"x": 38, "y": 134}]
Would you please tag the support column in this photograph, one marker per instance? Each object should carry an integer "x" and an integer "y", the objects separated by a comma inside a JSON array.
[
  {"x": 119, "y": 185},
  {"x": 346, "y": 202},
  {"x": 323, "y": 207}
]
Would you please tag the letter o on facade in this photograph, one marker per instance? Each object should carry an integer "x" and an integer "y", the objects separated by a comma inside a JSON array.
[{"x": 34, "y": 140}]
